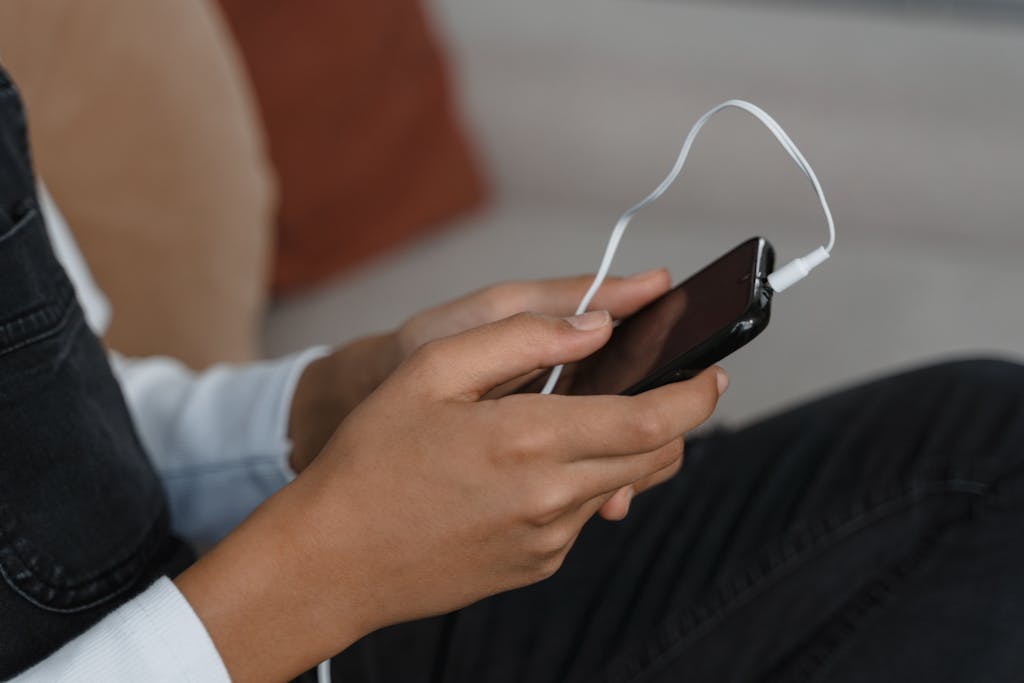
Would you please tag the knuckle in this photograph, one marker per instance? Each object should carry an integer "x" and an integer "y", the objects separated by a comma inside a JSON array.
[
  {"x": 428, "y": 355},
  {"x": 665, "y": 457},
  {"x": 648, "y": 428},
  {"x": 550, "y": 542},
  {"x": 548, "y": 503},
  {"x": 541, "y": 331},
  {"x": 525, "y": 326},
  {"x": 670, "y": 470},
  {"x": 674, "y": 451},
  {"x": 529, "y": 444},
  {"x": 531, "y": 323},
  {"x": 501, "y": 299}
]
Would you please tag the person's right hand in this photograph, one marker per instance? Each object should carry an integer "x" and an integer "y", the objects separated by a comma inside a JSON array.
[{"x": 429, "y": 498}]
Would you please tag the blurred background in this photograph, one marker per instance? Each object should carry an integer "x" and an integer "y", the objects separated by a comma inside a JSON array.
[
  {"x": 911, "y": 113},
  {"x": 361, "y": 161}
]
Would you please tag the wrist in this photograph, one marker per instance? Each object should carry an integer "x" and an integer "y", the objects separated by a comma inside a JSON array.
[
  {"x": 259, "y": 597},
  {"x": 331, "y": 387}
]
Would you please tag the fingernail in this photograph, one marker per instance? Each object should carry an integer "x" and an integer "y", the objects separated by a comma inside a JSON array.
[
  {"x": 723, "y": 382},
  {"x": 647, "y": 274},
  {"x": 589, "y": 321},
  {"x": 629, "y": 500}
]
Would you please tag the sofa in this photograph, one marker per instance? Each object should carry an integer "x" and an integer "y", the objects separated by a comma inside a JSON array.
[{"x": 912, "y": 122}]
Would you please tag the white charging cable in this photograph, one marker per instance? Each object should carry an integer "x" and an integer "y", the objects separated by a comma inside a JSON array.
[{"x": 782, "y": 278}]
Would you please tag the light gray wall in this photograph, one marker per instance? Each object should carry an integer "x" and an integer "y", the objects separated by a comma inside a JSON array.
[{"x": 915, "y": 127}]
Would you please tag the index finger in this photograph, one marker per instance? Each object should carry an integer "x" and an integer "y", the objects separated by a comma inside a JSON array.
[{"x": 620, "y": 296}]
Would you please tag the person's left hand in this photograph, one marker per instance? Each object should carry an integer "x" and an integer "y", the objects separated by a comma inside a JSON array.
[
  {"x": 334, "y": 385},
  {"x": 620, "y": 296}
]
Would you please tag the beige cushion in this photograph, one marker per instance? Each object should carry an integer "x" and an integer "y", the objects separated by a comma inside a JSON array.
[{"x": 145, "y": 132}]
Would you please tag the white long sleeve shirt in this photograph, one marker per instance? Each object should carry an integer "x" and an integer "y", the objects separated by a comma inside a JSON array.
[{"x": 218, "y": 440}]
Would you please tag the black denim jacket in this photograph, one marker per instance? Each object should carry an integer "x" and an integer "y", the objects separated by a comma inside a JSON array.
[{"x": 83, "y": 520}]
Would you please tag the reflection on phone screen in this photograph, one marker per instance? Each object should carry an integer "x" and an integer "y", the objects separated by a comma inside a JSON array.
[{"x": 670, "y": 327}]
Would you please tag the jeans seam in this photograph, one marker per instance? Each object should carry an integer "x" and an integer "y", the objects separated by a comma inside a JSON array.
[
  {"x": 879, "y": 591},
  {"x": 696, "y": 622},
  {"x": 20, "y": 575},
  {"x": 883, "y": 589},
  {"x": 52, "y": 319}
]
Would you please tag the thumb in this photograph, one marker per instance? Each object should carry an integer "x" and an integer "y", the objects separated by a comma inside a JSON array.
[{"x": 472, "y": 363}]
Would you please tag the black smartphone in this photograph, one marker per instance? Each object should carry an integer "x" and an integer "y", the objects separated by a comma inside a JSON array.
[{"x": 689, "y": 328}]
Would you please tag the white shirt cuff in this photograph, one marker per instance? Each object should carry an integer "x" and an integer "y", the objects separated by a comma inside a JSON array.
[
  {"x": 155, "y": 637},
  {"x": 218, "y": 438},
  {"x": 289, "y": 382}
]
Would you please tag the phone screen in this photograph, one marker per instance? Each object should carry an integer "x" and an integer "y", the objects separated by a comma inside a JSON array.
[{"x": 674, "y": 325}]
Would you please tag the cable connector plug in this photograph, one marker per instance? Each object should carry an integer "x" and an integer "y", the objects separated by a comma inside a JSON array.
[{"x": 796, "y": 270}]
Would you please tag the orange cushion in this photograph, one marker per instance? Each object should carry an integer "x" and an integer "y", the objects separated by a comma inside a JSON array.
[{"x": 362, "y": 130}]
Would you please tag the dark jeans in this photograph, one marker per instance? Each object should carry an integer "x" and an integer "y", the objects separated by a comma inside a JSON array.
[{"x": 874, "y": 535}]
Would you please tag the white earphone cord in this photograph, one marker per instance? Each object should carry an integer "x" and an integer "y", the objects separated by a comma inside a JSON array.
[{"x": 781, "y": 279}]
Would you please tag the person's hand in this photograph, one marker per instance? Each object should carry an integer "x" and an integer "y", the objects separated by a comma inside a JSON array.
[
  {"x": 620, "y": 296},
  {"x": 332, "y": 386},
  {"x": 429, "y": 497}
]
